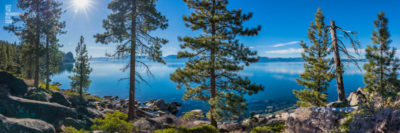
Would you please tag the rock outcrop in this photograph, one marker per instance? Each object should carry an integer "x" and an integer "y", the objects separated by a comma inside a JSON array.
[
  {"x": 38, "y": 94},
  {"x": 151, "y": 124},
  {"x": 150, "y": 109},
  {"x": 12, "y": 125},
  {"x": 59, "y": 98},
  {"x": 17, "y": 87},
  {"x": 382, "y": 121},
  {"x": 24, "y": 108},
  {"x": 315, "y": 120},
  {"x": 357, "y": 97}
]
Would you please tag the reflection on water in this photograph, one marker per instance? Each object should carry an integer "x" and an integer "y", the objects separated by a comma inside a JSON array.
[
  {"x": 278, "y": 78},
  {"x": 64, "y": 67}
]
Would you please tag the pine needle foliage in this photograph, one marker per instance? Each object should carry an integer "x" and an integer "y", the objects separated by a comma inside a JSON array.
[
  {"x": 215, "y": 58},
  {"x": 316, "y": 76},
  {"x": 382, "y": 67},
  {"x": 80, "y": 80}
]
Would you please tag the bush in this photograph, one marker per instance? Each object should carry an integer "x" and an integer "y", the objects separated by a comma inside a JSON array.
[
  {"x": 93, "y": 98},
  {"x": 51, "y": 87},
  {"x": 200, "y": 129},
  {"x": 73, "y": 130},
  {"x": 274, "y": 128},
  {"x": 114, "y": 122},
  {"x": 193, "y": 115},
  {"x": 71, "y": 93},
  {"x": 87, "y": 96}
]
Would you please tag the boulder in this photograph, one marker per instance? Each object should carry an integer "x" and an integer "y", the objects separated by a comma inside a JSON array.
[
  {"x": 59, "y": 98},
  {"x": 4, "y": 92},
  {"x": 173, "y": 108},
  {"x": 230, "y": 126},
  {"x": 166, "y": 120},
  {"x": 52, "y": 113},
  {"x": 12, "y": 125},
  {"x": 17, "y": 86},
  {"x": 75, "y": 101},
  {"x": 161, "y": 105},
  {"x": 316, "y": 120},
  {"x": 108, "y": 98},
  {"x": 147, "y": 124},
  {"x": 161, "y": 113},
  {"x": 382, "y": 121},
  {"x": 83, "y": 123},
  {"x": 92, "y": 113},
  {"x": 151, "y": 124},
  {"x": 38, "y": 94},
  {"x": 357, "y": 97},
  {"x": 196, "y": 123}
]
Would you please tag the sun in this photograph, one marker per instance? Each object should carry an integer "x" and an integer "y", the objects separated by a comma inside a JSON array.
[{"x": 81, "y": 6}]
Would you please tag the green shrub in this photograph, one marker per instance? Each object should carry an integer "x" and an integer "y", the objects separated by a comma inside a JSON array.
[
  {"x": 93, "y": 97},
  {"x": 274, "y": 128},
  {"x": 87, "y": 96},
  {"x": 71, "y": 93},
  {"x": 199, "y": 129},
  {"x": 113, "y": 122},
  {"x": 193, "y": 115},
  {"x": 73, "y": 130},
  {"x": 51, "y": 87}
]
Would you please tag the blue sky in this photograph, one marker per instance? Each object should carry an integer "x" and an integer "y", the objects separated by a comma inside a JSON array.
[{"x": 284, "y": 23}]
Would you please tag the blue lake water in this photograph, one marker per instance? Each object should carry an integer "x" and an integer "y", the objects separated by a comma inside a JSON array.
[{"x": 278, "y": 78}]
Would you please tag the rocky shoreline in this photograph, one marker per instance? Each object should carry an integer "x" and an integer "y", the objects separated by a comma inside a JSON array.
[{"x": 28, "y": 109}]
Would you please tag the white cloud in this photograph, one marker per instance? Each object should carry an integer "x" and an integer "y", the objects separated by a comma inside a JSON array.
[
  {"x": 286, "y": 44},
  {"x": 285, "y": 51}
]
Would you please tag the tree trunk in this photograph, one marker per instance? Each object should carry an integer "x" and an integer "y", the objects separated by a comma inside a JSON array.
[
  {"x": 30, "y": 66},
  {"x": 381, "y": 61},
  {"x": 37, "y": 46},
  {"x": 82, "y": 60},
  {"x": 338, "y": 64},
  {"x": 47, "y": 62},
  {"x": 212, "y": 73},
  {"x": 132, "y": 108}
]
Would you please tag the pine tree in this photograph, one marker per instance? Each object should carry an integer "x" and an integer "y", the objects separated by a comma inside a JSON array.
[
  {"x": 10, "y": 54},
  {"x": 80, "y": 81},
  {"x": 382, "y": 67},
  {"x": 3, "y": 56},
  {"x": 32, "y": 19},
  {"x": 215, "y": 57},
  {"x": 134, "y": 37},
  {"x": 52, "y": 27},
  {"x": 316, "y": 75}
]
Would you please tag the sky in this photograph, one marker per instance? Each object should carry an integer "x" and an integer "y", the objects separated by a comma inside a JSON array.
[{"x": 284, "y": 23}]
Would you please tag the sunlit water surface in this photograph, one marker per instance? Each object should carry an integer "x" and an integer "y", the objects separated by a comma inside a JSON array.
[{"x": 278, "y": 78}]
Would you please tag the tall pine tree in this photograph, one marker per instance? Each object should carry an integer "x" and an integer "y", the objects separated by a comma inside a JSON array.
[
  {"x": 316, "y": 75},
  {"x": 80, "y": 80},
  {"x": 382, "y": 67},
  {"x": 129, "y": 25},
  {"x": 215, "y": 57},
  {"x": 3, "y": 56},
  {"x": 31, "y": 29},
  {"x": 52, "y": 28}
]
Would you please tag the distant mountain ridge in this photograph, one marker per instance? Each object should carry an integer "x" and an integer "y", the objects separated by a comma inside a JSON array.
[{"x": 175, "y": 58}]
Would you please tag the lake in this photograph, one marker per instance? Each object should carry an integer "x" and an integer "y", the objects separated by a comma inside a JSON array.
[{"x": 278, "y": 78}]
